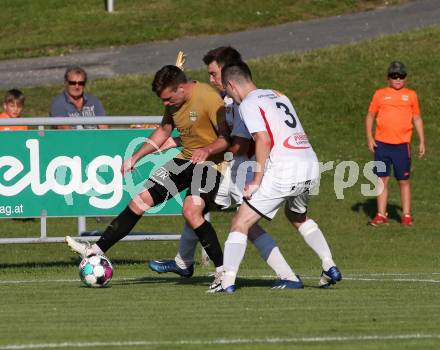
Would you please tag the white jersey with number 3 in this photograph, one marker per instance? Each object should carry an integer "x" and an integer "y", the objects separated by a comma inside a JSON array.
[{"x": 291, "y": 158}]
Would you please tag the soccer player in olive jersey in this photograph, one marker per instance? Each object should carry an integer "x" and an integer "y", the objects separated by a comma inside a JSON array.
[
  {"x": 395, "y": 109},
  {"x": 286, "y": 171},
  {"x": 197, "y": 112}
]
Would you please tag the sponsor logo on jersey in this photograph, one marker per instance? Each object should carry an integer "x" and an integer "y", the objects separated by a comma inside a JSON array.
[
  {"x": 297, "y": 141},
  {"x": 193, "y": 116}
]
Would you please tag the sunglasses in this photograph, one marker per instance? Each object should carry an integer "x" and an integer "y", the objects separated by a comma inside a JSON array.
[
  {"x": 396, "y": 76},
  {"x": 80, "y": 83}
]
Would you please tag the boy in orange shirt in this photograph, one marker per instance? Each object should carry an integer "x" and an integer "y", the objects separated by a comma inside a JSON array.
[
  {"x": 12, "y": 107},
  {"x": 395, "y": 110}
]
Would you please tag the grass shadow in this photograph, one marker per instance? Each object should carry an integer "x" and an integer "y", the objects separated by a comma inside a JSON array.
[
  {"x": 202, "y": 281},
  {"x": 198, "y": 280},
  {"x": 369, "y": 208},
  {"x": 195, "y": 280},
  {"x": 267, "y": 283}
]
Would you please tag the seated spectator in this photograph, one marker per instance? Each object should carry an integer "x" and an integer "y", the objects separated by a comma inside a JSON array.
[
  {"x": 74, "y": 102},
  {"x": 12, "y": 107}
]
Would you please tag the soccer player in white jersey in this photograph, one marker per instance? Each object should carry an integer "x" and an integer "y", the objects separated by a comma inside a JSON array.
[
  {"x": 286, "y": 171},
  {"x": 230, "y": 192}
]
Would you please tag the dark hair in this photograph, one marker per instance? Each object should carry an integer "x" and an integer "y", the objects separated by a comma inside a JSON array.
[
  {"x": 238, "y": 72},
  {"x": 223, "y": 55},
  {"x": 14, "y": 95},
  {"x": 168, "y": 76},
  {"x": 76, "y": 70}
]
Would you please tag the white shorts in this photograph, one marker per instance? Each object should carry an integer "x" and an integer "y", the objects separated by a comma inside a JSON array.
[
  {"x": 230, "y": 192},
  {"x": 271, "y": 195}
]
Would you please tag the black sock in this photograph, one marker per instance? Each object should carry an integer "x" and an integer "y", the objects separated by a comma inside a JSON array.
[
  {"x": 118, "y": 229},
  {"x": 208, "y": 239}
]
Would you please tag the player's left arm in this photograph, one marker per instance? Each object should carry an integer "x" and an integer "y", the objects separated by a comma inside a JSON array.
[
  {"x": 418, "y": 124},
  {"x": 218, "y": 119},
  {"x": 262, "y": 151},
  {"x": 218, "y": 146}
]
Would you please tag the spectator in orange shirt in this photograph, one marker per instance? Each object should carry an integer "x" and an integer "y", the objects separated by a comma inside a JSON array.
[
  {"x": 12, "y": 107},
  {"x": 395, "y": 110}
]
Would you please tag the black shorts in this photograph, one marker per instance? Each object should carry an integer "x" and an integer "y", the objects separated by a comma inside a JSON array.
[{"x": 176, "y": 175}]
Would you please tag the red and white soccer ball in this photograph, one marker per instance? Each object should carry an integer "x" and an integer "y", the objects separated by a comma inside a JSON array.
[{"x": 96, "y": 271}]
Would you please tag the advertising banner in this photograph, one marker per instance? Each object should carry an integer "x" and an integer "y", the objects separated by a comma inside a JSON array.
[{"x": 75, "y": 173}]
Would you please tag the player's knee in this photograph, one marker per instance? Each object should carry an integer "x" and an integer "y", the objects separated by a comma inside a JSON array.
[
  {"x": 239, "y": 224},
  {"x": 188, "y": 214},
  {"x": 193, "y": 210}
]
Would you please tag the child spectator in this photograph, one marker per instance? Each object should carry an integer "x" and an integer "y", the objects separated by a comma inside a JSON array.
[
  {"x": 395, "y": 109},
  {"x": 12, "y": 107}
]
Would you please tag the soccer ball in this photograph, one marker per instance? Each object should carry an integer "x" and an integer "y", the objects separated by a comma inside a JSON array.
[{"x": 95, "y": 271}]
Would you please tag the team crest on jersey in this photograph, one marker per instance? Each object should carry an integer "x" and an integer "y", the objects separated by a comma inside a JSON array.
[
  {"x": 405, "y": 98},
  {"x": 193, "y": 116}
]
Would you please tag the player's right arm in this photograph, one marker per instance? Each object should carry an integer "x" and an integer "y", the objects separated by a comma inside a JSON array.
[
  {"x": 252, "y": 118},
  {"x": 262, "y": 151},
  {"x": 151, "y": 144}
]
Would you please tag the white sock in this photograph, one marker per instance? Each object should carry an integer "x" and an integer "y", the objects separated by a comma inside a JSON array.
[
  {"x": 272, "y": 255},
  {"x": 187, "y": 247},
  {"x": 235, "y": 247},
  {"x": 316, "y": 240}
]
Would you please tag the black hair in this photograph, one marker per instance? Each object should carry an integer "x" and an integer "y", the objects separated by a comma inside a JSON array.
[
  {"x": 239, "y": 72},
  {"x": 168, "y": 76},
  {"x": 223, "y": 55}
]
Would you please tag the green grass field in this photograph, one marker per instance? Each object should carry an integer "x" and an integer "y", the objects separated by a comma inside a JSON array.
[
  {"x": 387, "y": 300},
  {"x": 54, "y": 27}
]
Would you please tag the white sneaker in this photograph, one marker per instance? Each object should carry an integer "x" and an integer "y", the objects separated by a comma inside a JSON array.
[
  {"x": 82, "y": 249},
  {"x": 217, "y": 283}
]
